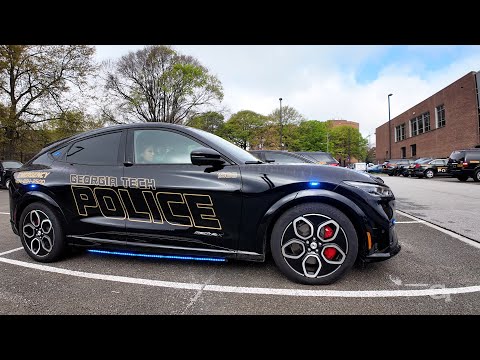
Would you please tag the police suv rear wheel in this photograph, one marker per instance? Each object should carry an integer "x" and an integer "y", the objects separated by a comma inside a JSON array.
[
  {"x": 462, "y": 177},
  {"x": 314, "y": 244},
  {"x": 41, "y": 233},
  {"x": 476, "y": 175}
]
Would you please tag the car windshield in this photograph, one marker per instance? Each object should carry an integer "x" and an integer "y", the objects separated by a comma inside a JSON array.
[
  {"x": 238, "y": 152},
  {"x": 12, "y": 164},
  {"x": 457, "y": 155},
  {"x": 321, "y": 157}
]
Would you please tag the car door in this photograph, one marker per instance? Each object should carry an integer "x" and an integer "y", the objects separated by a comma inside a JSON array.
[
  {"x": 87, "y": 179},
  {"x": 174, "y": 204}
]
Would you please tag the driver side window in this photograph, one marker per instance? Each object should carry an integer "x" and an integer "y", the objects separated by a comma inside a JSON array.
[{"x": 162, "y": 147}]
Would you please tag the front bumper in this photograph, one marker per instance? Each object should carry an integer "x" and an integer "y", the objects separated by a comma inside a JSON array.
[{"x": 391, "y": 250}]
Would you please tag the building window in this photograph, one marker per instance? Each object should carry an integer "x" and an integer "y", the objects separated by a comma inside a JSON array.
[
  {"x": 420, "y": 124},
  {"x": 413, "y": 127},
  {"x": 440, "y": 115},
  {"x": 426, "y": 121},
  {"x": 400, "y": 132},
  {"x": 404, "y": 152},
  {"x": 413, "y": 150}
]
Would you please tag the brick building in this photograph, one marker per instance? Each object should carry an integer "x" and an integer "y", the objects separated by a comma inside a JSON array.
[
  {"x": 335, "y": 123},
  {"x": 446, "y": 121}
]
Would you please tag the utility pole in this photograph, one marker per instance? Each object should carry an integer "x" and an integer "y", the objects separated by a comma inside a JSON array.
[{"x": 281, "y": 125}]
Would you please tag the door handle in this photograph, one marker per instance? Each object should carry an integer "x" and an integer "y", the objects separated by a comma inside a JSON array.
[{"x": 127, "y": 163}]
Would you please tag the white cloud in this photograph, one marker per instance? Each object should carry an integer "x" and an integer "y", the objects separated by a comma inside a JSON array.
[{"x": 321, "y": 82}]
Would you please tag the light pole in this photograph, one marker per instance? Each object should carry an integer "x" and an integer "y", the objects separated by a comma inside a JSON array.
[
  {"x": 281, "y": 125},
  {"x": 389, "y": 130}
]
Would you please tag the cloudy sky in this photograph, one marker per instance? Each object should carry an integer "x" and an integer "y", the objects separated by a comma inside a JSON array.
[{"x": 328, "y": 82}]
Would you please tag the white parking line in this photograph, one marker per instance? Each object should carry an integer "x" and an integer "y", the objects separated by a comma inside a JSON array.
[
  {"x": 410, "y": 222},
  {"x": 11, "y": 251},
  {"x": 250, "y": 290},
  {"x": 445, "y": 231},
  {"x": 4, "y": 213}
]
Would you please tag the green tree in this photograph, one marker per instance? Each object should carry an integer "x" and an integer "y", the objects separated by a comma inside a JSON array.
[
  {"x": 287, "y": 116},
  {"x": 71, "y": 123},
  {"x": 347, "y": 142},
  {"x": 309, "y": 135},
  {"x": 35, "y": 81},
  {"x": 244, "y": 128},
  {"x": 210, "y": 121},
  {"x": 157, "y": 84}
]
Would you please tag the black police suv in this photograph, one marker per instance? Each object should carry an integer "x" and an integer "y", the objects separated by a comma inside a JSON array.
[
  {"x": 463, "y": 164},
  {"x": 181, "y": 192},
  {"x": 7, "y": 167},
  {"x": 319, "y": 157},
  {"x": 395, "y": 167},
  {"x": 435, "y": 167},
  {"x": 281, "y": 157}
]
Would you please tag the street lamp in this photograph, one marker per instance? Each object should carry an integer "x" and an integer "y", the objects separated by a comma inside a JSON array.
[
  {"x": 389, "y": 130},
  {"x": 281, "y": 125}
]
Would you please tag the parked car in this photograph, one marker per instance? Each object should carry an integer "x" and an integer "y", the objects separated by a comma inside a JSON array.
[
  {"x": 7, "y": 167},
  {"x": 280, "y": 157},
  {"x": 105, "y": 191},
  {"x": 395, "y": 167},
  {"x": 376, "y": 169},
  {"x": 463, "y": 164},
  {"x": 409, "y": 171},
  {"x": 320, "y": 157},
  {"x": 436, "y": 167},
  {"x": 360, "y": 166}
]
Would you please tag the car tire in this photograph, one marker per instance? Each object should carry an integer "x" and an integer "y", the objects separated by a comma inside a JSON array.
[
  {"x": 429, "y": 174},
  {"x": 314, "y": 244},
  {"x": 41, "y": 233},
  {"x": 462, "y": 177},
  {"x": 476, "y": 175}
]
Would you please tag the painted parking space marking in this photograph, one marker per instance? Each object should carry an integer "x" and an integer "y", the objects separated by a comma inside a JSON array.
[
  {"x": 249, "y": 290},
  {"x": 4, "y": 213},
  {"x": 410, "y": 222},
  {"x": 462, "y": 238},
  {"x": 11, "y": 251}
]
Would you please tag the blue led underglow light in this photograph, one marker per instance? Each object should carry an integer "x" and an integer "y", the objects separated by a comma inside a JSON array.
[
  {"x": 394, "y": 221},
  {"x": 32, "y": 186},
  {"x": 57, "y": 153},
  {"x": 158, "y": 256},
  {"x": 314, "y": 183}
]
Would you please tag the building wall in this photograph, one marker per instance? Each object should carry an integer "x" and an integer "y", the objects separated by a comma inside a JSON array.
[
  {"x": 335, "y": 123},
  {"x": 461, "y": 124}
]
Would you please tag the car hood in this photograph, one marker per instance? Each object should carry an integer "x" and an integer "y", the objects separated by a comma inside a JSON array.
[{"x": 293, "y": 173}]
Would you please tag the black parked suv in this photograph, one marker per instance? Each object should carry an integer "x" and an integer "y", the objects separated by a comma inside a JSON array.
[
  {"x": 395, "y": 167},
  {"x": 436, "y": 167},
  {"x": 173, "y": 192},
  {"x": 463, "y": 164},
  {"x": 319, "y": 157},
  {"x": 7, "y": 167},
  {"x": 280, "y": 157}
]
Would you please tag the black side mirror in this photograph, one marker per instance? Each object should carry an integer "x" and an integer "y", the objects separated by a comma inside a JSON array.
[{"x": 206, "y": 156}]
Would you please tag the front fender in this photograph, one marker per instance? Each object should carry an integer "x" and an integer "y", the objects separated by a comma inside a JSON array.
[{"x": 348, "y": 207}]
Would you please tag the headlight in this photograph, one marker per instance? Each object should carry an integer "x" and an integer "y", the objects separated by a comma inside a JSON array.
[{"x": 372, "y": 189}]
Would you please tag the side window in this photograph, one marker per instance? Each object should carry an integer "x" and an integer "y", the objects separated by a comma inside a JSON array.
[
  {"x": 474, "y": 155},
  {"x": 98, "y": 150},
  {"x": 163, "y": 147}
]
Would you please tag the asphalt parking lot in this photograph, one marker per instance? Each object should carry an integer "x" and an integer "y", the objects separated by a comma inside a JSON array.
[{"x": 437, "y": 272}]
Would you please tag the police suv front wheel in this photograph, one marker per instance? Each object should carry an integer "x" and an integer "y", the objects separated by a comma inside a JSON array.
[
  {"x": 41, "y": 233},
  {"x": 314, "y": 244}
]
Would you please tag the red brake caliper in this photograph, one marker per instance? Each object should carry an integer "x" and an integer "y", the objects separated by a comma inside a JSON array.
[
  {"x": 327, "y": 232},
  {"x": 330, "y": 253}
]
